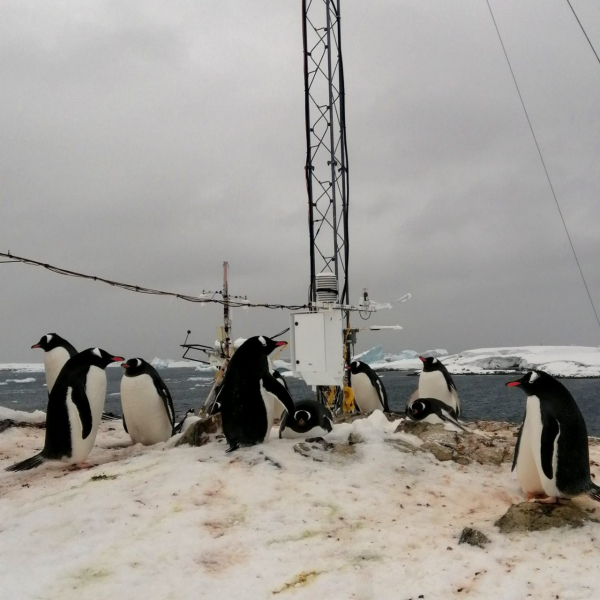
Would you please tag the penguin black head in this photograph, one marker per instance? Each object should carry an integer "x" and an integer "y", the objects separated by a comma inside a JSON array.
[
  {"x": 430, "y": 363},
  {"x": 531, "y": 381},
  {"x": 50, "y": 341},
  {"x": 135, "y": 366},
  {"x": 417, "y": 410},
  {"x": 355, "y": 367},
  {"x": 259, "y": 346},
  {"x": 98, "y": 358}
]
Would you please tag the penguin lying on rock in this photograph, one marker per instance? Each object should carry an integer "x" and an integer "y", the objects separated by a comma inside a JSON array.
[
  {"x": 74, "y": 410},
  {"x": 249, "y": 392},
  {"x": 551, "y": 456},
  {"x": 311, "y": 419},
  {"x": 431, "y": 410}
]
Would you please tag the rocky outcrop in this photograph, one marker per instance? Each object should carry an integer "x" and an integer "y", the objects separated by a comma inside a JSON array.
[
  {"x": 460, "y": 447},
  {"x": 473, "y": 538},
  {"x": 535, "y": 516},
  {"x": 198, "y": 434}
]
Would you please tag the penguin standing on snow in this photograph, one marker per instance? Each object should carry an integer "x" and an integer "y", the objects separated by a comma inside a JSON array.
[
  {"x": 551, "y": 456},
  {"x": 311, "y": 419},
  {"x": 436, "y": 382},
  {"x": 57, "y": 351},
  {"x": 369, "y": 391},
  {"x": 249, "y": 392},
  {"x": 74, "y": 410},
  {"x": 148, "y": 414},
  {"x": 431, "y": 410}
]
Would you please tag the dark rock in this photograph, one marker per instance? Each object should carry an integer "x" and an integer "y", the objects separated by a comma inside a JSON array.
[
  {"x": 197, "y": 434},
  {"x": 473, "y": 537},
  {"x": 535, "y": 516},
  {"x": 355, "y": 438}
]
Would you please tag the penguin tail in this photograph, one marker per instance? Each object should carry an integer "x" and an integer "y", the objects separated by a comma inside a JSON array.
[
  {"x": 594, "y": 492},
  {"x": 26, "y": 465}
]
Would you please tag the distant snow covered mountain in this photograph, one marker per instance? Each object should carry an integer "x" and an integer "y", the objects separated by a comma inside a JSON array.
[{"x": 560, "y": 361}]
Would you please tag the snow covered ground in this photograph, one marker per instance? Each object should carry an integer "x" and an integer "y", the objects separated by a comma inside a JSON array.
[
  {"x": 560, "y": 361},
  {"x": 266, "y": 522}
]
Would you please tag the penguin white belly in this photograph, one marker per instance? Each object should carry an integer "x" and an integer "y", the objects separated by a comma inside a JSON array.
[
  {"x": 433, "y": 385},
  {"x": 54, "y": 361},
  {"x": 95, "y": 389},
  {"x": 278, "y": 409},
  {"x": 144, "y": 411},
  {"x": 365, "y": 394},
  {"x": 270, "y": 401},
  {"x": 532, "y": 434},
  {"x": 290, "y": 434}
]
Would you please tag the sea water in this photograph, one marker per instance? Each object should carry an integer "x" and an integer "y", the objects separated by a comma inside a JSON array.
[{"x": 482, "y": 396}]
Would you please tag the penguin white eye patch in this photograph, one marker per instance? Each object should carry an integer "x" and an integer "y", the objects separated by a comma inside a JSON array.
[
  {"x": 96, "y": 351},
  {"x": 533, "y": 376},
  {"x": 301, "y": 414},
  {"x": 262, "y": 340}
]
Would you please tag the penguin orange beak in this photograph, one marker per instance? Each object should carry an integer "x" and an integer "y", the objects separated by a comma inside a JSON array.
[
  {"x": 124, "y": 365},
  {"x": 35, "y": 346},
  {"x": 280, "y": 344},
  {"x": 117, "y": 358},
  {"x": 513, "y": 383},
  {"x": 421, "y": 359}
]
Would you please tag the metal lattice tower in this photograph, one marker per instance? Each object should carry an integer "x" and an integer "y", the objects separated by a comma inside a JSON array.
[{"x": 326, "y": 150}]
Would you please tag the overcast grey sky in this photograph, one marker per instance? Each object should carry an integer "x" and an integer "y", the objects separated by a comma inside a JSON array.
[{"x": 148, "y": 141}]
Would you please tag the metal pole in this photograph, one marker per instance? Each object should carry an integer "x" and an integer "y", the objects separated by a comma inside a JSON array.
[{"x": 226, "y": 319}]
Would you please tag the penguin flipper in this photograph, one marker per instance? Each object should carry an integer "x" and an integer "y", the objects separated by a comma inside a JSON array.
[
  {"x": 550, "y": 430},
  {"x": 26, "y": 465},
  {"x": 274, "y": 387},
  {"x": 456, "y": 397},
  {"x": 593, "y": 492},
  {"x": 125, "y": 425},
  {"x": 446, "y": 416},
  {"x": 80, "y": 400},
  {"x": 165, "y": 395},
  {"x": 518, "y": 444},
  {"x": 382, "y": 395}
]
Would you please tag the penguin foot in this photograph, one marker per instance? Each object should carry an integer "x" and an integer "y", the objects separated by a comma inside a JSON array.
[
  {"x": 534, "y": 496},
  {"x": 81, "y": 465},
  {"x": 548, "y": 500}
]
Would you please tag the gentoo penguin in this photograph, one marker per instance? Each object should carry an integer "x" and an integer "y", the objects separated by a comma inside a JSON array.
[
  {"x": 311, "y": 419},
  {"x": 278, "y": 409},
  {"x": 431, "y": 410},
  {"x": 436, "y": 382},
  {"x": 369, "y": 391},
  {"x": 249, "y": 392},
  {"x": 57, "y": 351},
  {"x": 74, "y": 410},
  {"x": 189, "y": 419},
  {"x": 551, "y": 455},
  {"x": 148, "y": 414}
]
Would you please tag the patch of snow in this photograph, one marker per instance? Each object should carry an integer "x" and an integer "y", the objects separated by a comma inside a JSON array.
[
  {"x": 26, "y": 380},
  {"x": 200, "y": 378},
  {"x": 167, "y": 363},
  {"x": 266, "y": 522}
]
